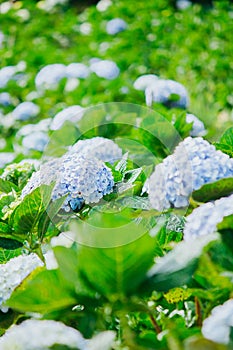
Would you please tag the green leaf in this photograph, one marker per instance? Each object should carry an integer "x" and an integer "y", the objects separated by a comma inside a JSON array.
[
  {"x": 7, "y": 186},
  {"x": 177, "y": 267},
  {"x": 8, "y": 243},
  {"x": 114, "y": 252},
  {"x": 227, "y": 137},
  {"x": 47, "y": 291},
  {"x": 214, "y": 190},
  {"x": 28, "y": 213},
  {"x": 6, "y": 254}
]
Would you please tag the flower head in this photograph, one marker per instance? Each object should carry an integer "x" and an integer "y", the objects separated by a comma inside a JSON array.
[
  {"x": 35, "y": 141},
  {"x": 194, "y": 163},
  {"x": 167, "y": 92},
  {"x": 142, "y": 82},
  {"x": 115, "y": 26},
  {"x": 198, "y": 128},
  {"x": 72, "y": 114},
  {"x": 98, "y": 147},
  {"x": 14, "y": 272},
  {"x": 25, "y": 111},
  {"x": 77, "y": 70},
  {"x": 217, "y": 326},
  {"x": 41, "y": 334},
  {"x": 204, "y": 219},
  {"x": 5, "y": 99},
  {"x": 105, "y": 69},
  {"x": 80, "y": 178},
  {"x": 50, "y": 75}
]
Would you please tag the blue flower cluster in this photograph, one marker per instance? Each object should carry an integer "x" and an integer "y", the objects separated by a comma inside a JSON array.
[
  {"x": 105, "y": 69},
  {"x": 13, "y": 273},
  {"x": 198, "y": 128},
  {"x": 115, "y": 26},
  {"x": 25, "y": 111},
  {"x": 79, "y": 178},
  {"x": 50, "y": 75},
  {"x": 5, "y": 99},
  {"x": 145, "y": 80},
  {"x": 35, "y": 141},
  {"x": 73, "y": 114},
  {"x": 98, "y": 147},
  {"x": 167, "y": 92},
  {"x": 204, "y": 219},
  {"x": 194, "y": 163},
  {"x": 217, "y": 327}
]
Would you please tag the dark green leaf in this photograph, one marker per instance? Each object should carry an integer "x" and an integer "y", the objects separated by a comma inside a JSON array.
[{"x": 214, "y": 190}]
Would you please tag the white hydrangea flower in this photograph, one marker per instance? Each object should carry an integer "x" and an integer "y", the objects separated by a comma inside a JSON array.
[
  {"x": 6, "y": 74},
  {"x": 204, "y": 219},
  {"x": 73, "y": 114},
  {"x": 35, "y": 141},
  {"x": 81, "y": 179},
  {"x": 25, "y": 111},
  {"x": 115, "y": 26},
  {"x": 27, "y": 129},
  {"x": 41, "y": 335},
  {"x": 77, "y": 70},
  {"x": 98, "y": 147},
  {"x": 5, "y": 99},
  {"x": 162, "y": 90},
  {"x": 194, "y": 163},
  {"x": 198, "y": 128},
  {"x": 6, "y": 158},
  {"x": 142, "y": 82},
  {"x": 14, "y": 272},
  {"x": 105, "y": 69},
  {"x": 49, "y": 76},
  {"x": 218, "y": 325}
]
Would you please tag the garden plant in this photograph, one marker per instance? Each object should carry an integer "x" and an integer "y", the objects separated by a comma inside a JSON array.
[{"x": 116, "y": 175}]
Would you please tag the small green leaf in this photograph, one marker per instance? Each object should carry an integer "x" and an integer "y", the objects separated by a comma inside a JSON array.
[
  {"x": 11, "y": 244},
  {"x": 214, "y": 190}
]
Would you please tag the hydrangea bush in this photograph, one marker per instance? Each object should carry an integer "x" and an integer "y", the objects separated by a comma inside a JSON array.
[{"x": 116, "y": 175}]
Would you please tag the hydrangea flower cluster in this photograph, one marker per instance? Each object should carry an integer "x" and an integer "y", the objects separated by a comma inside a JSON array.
[
  {"x": 105, "y": 69},
  {"x": 6, "y": 74},
  {"x": 198, "y": 128},
  {"x": 73, "y": 114},
  {"x": 77, "y": 70},
  {"x": 14, "y": 272},
  {"x": 35, "y": 141},
  {"x": 44, "y": 334},
  {"x": 162, "y": 91},
  {"x": 50, "y": 75},
  {"x": 217, "y": 326},
  {"x": 5, "y": 99},
  {"x": 6, "y": 158},
  {"x": 194, "y": 163},
  {"x": 98, "y": 147},
  {"x": 204, "y": 219},
  {"x": 25, "y": 111},
  {"x": 80, "y": 178},
  {"x": 18, "y": 171},
  {"x": 28, "y": 129},
  {"x": 115, "y": 26},
  {"x": 142, "y": 82}
]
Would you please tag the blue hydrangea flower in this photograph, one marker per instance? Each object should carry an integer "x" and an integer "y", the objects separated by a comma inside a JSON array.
[
  {"x": 194, "y": 163},
  {"x": 25, "y": 111},
  {"x": 41, "y": 334},
  {"x": 142, "y": 82},
  {"x": 77, "y": 177},
  {"x": 49, "y": 76},
  {"x": 98, "y": 147},
  {"x": 115, "y": 26},
  {"x": 218, "y": 325},
  {"x": 14, "y": 272},
  {"x": 198, "y": 128},
  {"x": 105, "y": 69},
  {"x": 72, "y": 114},
  {"x": 27, "y": 129},
  {"x": 162, "y": 90},
  {"x": 6, "y": 74},
  {"x": 35, "y": 141},
  {"x": 77, "y": 70},
  {"x": 204, "y": 219},
  {"x": 6, "y": 158},
  {"x": 5, "y": 99}
]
